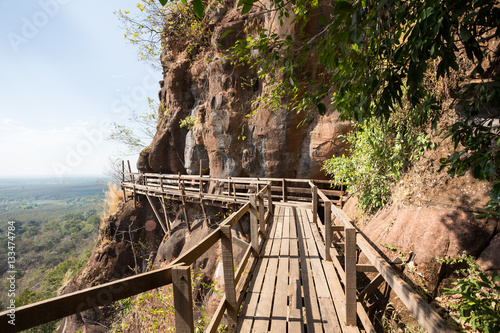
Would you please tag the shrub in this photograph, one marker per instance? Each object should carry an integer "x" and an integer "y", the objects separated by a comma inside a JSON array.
[
  {"x": 379, "y": 152},
  {"x": 480, "y": 296}
]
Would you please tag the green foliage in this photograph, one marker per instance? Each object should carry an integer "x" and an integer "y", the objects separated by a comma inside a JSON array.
[
  {"x": 373, "y": 60},
  {"x": 188, "y": 122},
  {"x": 145, "y": 29},
  {"x": 379, "y": 152},
  {"x": 480, "y": 296},
  {"x": 478, "y": 137}
]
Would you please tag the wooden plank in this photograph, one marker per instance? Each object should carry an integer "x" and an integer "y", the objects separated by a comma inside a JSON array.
[
  {"x": 366, "y": 268},
  {"x": 295, "y": 319},
  {"x": 350, "y": 275},
  {"x": 424, "y": 313},
  {"x": 263, "y": 312},
  {"x": 305, "y": 190},
  {"x": 327, "y": 308},
  {"x": 312, "y": 313},
  {"x": 245, "y": 319},
  {"x": 229, "y": 285},
  {"x": 333, "y": 280},
  {"x": 280, "y": 306},
  {"x": 183, "y": 299}
]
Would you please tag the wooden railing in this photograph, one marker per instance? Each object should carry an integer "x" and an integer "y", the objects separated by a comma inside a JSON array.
[
  {"x": 255, "y": 197},
  {"x": 353, "y": 240},
  {"x": 237, "y": 189},
  {"x": 176, "y": 273}
]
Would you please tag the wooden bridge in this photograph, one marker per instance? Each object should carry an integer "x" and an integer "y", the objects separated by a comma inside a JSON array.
[{"x": 298, "y": 272}]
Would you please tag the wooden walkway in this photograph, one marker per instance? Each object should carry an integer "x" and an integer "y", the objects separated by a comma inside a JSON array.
[
  {"x": 300, "y": 270},
  {"x": 292, "y": 287}
]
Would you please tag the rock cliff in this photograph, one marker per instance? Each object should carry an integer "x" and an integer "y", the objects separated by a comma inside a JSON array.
[{"x": 225, "y": 134}]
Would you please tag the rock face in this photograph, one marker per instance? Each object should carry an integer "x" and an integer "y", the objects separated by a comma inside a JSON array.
[
  {"x": 226, "y": 136},
  {"x": 429, "y": 232}
]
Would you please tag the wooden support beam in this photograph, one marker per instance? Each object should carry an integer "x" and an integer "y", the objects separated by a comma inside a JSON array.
[
  {"x": 338, "y": 228},
  {"x": 167, "y": 221},
  {"x": 350, "y": 276},
  {"x": 183, "y": 200},
  {"x": 183, "y": 299},
  {"x": 203, "y": 210},
  {"x": 328, "y": 230},
  {"x": 424, "y": 313},
  {"x": 157, "y": 214},
  {"x": 366, "y": 268},
  {"x": 254, "y": 229},
  {"x": 229, "y": 286}
]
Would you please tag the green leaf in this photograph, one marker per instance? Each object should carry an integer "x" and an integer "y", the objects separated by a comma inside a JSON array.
[
  {"x": 198, "y": 8},
  {"x": 495, "y": 192},
  {"x": 163, "y": 2},
  {"x": 227, "y": 32},
  {"x": 247, "y": 6},
  {"x": 321, "y": 109},
  {"x": 323, "y": 20}
]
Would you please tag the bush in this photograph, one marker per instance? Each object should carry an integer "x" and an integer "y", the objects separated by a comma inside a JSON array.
[
  {"x": 480, "y": 296},
  {"x": 379, "y": 152}
]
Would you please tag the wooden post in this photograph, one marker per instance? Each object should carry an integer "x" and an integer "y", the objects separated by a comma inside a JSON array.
[
  {"x": 328, "y": 230},
  {"x": 314, "y": 190},
  {"x": 229, "y": 287},
  {"x": 123, "y": 181},
  {"x": 262, "y": 221},
  {"x": 270, "y": 200},
  {"x": 183, "y": 299},
  {"x": 350, "y": 276},
  {"x": 254, "y": 232},
  {"x": 167, "y": 221},
  {"x": 130, "y": 171},
  {"x": 161, "y": 184},
  {"x": 135, "y": 200},
  {"x": 229, "y": 186},
  {"x": 201, "y": 178},
  {"x": 284, "y": 190}
]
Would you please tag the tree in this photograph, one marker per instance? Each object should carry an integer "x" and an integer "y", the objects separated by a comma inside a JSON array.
[
  {"x": 379, "y": 59},
  {"x": 138, "y": 137}
]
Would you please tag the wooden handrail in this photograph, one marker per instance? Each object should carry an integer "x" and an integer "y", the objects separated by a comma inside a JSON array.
[
  {"x": 76, "y": 302},
  {"x": 429, "y": 319}
]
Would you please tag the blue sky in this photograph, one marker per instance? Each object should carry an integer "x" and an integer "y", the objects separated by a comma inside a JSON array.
[{"x": 66, "y": 73}]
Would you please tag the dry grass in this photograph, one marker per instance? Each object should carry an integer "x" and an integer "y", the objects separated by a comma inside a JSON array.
[{"x": 113, "y": 199}]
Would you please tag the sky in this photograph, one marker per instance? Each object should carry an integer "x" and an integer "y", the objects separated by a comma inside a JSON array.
[{"x": 66, "y": 74}]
